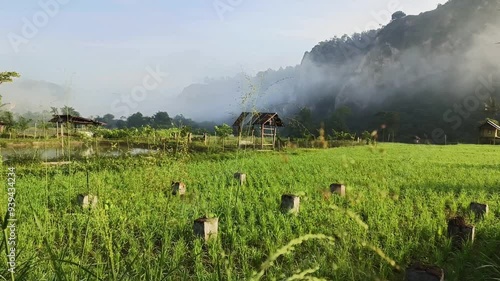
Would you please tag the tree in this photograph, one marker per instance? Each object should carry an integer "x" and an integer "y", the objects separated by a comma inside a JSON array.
[
  {"x": 338, "y": 119},
  {"x": 223, "y": 132},
  {"x": 8, "y": 76},
  {"x": 398, "y": 15},
  {"x": 161, "y": 120},
  {"x": 109, "y": 119},
  {"x": 136, "y": 120},
  {"x": 54, "y": 110},
  {"x": 180, "y": 120},
  {"x": 301, "y": 124},
  {"x": 69, "y": 110},
  {"x": 121, "y": 124},
  {"x": 23, "y": 124},
  {"x": 43, "y": 125},
  {"x": 7, "y": 116},
  {"x": 8, "y": 119},
  {"x": 390, "y": 123}
]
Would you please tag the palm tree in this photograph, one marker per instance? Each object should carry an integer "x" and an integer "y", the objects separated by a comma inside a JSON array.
[
  {"x": 69, "y": 111},
  {"x": 54, "y": 110}
]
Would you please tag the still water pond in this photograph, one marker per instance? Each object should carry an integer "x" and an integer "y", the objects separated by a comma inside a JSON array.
[{"x": 50, "y": 153}]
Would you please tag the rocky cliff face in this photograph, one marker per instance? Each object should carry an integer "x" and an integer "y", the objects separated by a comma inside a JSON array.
[
  {"x": 419, "y": 66},
  {"x": 411, "y": 54}
]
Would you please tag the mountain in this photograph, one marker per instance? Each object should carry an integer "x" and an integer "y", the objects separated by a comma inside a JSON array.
[
  {"x": 432, "y": 72},
  {"x": 224, "y": 99},
  {"x": 31, "y": 95},
  {"x": 426, "y": 67}
]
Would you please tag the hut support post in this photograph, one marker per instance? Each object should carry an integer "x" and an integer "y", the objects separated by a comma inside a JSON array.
[
  {"x": 253, "y": 137},
  {"x": 239, "y": 136},
  {"x": 262, "y": 136},
  {"x": 274, "y": 136}
]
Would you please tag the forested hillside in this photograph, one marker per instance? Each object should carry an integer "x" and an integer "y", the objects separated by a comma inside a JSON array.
[{"x": 420, "y": 75}]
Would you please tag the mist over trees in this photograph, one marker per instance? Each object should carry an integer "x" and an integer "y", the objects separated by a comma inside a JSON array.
[
  {"x": 415, "y": 75},
  {"x": 435, "y": 72}
]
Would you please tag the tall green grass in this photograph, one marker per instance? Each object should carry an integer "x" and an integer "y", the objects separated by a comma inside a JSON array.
[{"x": 398, "y": 200}]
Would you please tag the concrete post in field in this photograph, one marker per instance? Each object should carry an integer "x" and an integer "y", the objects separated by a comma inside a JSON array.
[
  {"x": 480, "y": 210},
  {"x": 290, "y": 203},
  {"x": 206, "y": 228},
  {"x": 338, "y": 188},
  {"x": 419, "y": 272},
  {"x": 459, "y": 231},
  {"x": 87, "y": 201},
  {"x": 178, "y": 188},
  {"x": 241, "y": 178}
]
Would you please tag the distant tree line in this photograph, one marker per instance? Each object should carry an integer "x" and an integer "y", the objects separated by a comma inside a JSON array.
[
  {"x": 159, "y": 120},
  {"x": 396, "y": 122}
]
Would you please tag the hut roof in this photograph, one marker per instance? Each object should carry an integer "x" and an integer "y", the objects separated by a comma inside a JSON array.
[
  {"x": 66, "y": 118},
  {"x": 259, "y": 118},
  {"x": 491, "y": 123}
]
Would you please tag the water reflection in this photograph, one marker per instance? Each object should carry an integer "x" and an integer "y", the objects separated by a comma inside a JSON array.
[{"x": 76, "y": 152}]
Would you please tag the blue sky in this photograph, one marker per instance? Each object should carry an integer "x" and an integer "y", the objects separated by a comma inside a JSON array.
[{"x": 101, "y": 48}]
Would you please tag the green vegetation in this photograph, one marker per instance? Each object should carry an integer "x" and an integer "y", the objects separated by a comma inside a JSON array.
[
  {"x": 223, "y": 131},
  {"x": 398, "y": 200},
  {"x": 7, "y": 76}
]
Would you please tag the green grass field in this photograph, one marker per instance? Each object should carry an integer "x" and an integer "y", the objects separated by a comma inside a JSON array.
[{"x": 396, "y": 208}]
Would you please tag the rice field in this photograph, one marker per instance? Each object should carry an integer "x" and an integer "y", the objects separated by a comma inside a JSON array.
[{"x": 395, "y": 212}]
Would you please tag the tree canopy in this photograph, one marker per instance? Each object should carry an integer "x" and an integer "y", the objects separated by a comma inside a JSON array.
[
  {"x": 8, "y": 76},
  {"x": 137, "y": 120},
  {"x": 161, "y": 120},
  {"x": 223, "y": 131},
  {"x": 69, "y": 110}
]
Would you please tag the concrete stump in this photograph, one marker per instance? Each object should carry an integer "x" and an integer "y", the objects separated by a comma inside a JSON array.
[
  {"x": 480, "y": 210},
  {"x": 206, "y": 227},
  {"x": 290, "y": 203},
  {"x": 240, "y": 177},
  {"x": 87, "y": 201},
  {"x": 178, "y": 188},
  {"x": 338, "y": 188},
  {"x": 459, "y": 231},
  {"x": 419, "y": 272}
]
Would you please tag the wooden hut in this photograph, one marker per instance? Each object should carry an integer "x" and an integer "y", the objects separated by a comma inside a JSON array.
[
  {"x": 489, "y": 132},
  {"x": 75, "y": 121},
  {"x": 267, "y": 124}
]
